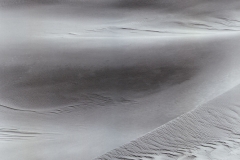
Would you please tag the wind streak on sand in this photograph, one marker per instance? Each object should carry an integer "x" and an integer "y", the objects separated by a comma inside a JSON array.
[
  {"x": 19, "y": 110},
  {"x": 209, "y": 132}
]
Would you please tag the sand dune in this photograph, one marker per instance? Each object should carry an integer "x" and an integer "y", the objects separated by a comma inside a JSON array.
[
  {"x": 91, "y": 76},
  {"x": 209, "y": 132}
]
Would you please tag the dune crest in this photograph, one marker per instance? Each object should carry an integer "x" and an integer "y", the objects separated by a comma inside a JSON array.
[{"x": 209, "y": 132}]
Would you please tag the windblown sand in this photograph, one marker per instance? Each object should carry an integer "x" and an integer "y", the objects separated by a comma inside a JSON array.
[{"x": 81, "y": 78}]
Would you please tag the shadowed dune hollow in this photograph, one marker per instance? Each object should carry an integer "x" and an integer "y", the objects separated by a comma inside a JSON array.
[{"x": 116, "y": 83}]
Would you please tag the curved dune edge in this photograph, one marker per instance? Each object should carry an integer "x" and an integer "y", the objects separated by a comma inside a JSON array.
[
  {"x": 55, "y": 28},
  {"x": 208, "y": 132}
]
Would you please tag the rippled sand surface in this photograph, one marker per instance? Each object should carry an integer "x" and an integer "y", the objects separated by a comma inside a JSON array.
[{"x": 81, "y": 78}]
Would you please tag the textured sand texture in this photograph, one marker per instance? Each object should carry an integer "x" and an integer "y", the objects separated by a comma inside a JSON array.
[
  {"x": 80, "y": 78},
  {"x": 209, "y": 132}
]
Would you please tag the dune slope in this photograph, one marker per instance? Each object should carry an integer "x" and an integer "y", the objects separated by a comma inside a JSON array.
[
  {"x": 79, "y": 78},
  {"x": 209, "y": 132}
]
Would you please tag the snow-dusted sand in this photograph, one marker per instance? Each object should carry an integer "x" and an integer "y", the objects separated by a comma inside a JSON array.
[{"x": 78, "y": 79}]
